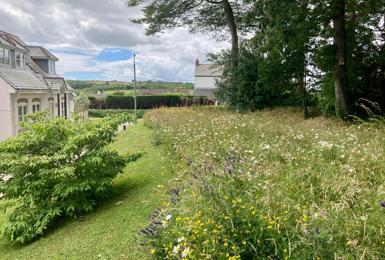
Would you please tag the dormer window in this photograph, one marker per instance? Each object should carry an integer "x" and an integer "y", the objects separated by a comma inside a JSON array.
[
  {"x": 51, "y": 67},
  {"x": 19, "y": 60},
  {"x": 4, "y": 56}
]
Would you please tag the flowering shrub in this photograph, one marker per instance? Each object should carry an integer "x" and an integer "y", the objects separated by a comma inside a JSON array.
[
  {"x": 57, "y": 168},
  {"x": 270, "y": 185}
]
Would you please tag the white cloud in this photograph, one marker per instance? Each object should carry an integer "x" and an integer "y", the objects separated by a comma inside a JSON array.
[{"x": 78, "y": 30}]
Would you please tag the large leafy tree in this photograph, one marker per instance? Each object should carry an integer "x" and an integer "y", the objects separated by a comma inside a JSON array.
[{"x": 211, "y": 16}]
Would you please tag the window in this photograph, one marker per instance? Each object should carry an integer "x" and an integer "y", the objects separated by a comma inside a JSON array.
[
  {"x": 4, "y": 56},
  {"x": 62, "y": 107},
  {"x": 51, "y": 105},
  {"x": 22, "y": 109},
  {"x": 36, "y": 105},
  {"x": 12, "y": 59},
  {"x": 51, "y": 67},
  {"x": 22, "y": 60},
  {"x": 18, "y": 59}
]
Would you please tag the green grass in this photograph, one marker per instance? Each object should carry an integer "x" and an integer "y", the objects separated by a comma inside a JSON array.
[
  {"x": 274, "y": 184},
  {"x": 108, "y": 233}
]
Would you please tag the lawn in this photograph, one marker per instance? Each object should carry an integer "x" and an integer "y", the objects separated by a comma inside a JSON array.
[{"x": 108, "y": 233}]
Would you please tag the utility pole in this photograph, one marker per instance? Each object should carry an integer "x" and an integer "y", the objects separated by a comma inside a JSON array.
[{"x": 135, "y": 104}]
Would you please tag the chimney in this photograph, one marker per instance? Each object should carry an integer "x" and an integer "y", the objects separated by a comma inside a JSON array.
[{"x": 197, "y": 62}]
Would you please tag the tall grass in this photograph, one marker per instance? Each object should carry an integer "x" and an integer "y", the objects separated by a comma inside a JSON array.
[{"x": 271, "y": 185}]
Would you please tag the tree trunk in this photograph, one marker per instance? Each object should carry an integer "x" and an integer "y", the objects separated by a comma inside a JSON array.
[
  {"x": 341, "y": 77},
  {"x": 233, "y": 30},
  {"x": 303, "y": 91}
]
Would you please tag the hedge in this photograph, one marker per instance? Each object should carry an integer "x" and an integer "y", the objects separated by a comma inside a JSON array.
[
  {"x": 149, "y": 102},
  {"x": 101, "y": 113}
]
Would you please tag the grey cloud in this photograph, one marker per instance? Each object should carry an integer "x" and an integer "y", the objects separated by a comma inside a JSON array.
[{"x": 77, "y": 30}]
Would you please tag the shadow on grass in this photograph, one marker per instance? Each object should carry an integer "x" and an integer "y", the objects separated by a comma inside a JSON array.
[{"x": 124, "y": 189}]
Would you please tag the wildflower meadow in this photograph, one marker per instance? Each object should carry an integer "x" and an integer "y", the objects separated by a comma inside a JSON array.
[{"x": 269, "y": 185}]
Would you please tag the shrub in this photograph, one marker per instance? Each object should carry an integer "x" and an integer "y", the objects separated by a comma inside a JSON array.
[
  {"x": 58, "y": 168},
  {"x": 101, "y": 113}
]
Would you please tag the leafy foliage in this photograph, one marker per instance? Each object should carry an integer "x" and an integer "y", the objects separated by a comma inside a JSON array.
[
  {"x": 99, "y": 113},
  {"x": 57, "y": 168}
]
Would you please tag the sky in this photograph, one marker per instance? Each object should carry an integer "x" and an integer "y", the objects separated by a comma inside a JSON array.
[{"x": 94, "y": 39}]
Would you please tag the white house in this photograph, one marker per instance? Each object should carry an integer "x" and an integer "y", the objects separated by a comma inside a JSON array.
[
  {"x": 205, "y": 79},
  {"x": 28, "y": 84}
]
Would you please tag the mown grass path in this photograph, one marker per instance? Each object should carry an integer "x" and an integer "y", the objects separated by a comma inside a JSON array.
[{"x": 108, "y": 233}]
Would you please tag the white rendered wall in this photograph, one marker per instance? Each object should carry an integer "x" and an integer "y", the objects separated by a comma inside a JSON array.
[
  {"x": 44, "y": 104},
  {"x": 205, "y": 82},
  {"x": 6, "y": 111}
]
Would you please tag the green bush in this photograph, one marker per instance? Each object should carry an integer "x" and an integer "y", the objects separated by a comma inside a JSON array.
[
  {"x": 58, "y": 168},
  {"x": 101, "y": 113}
]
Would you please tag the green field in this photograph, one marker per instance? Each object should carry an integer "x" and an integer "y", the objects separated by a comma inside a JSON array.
[
  {"x": 108, "y": 233},
  {"x": 143, "y": 92},
  {"x": 126, "y": 88}
]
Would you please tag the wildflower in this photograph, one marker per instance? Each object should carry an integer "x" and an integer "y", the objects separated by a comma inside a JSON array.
[
  {"x": 382, "y": 204},
  {"x": 175, "y": 250},
  {"x": 352, "y": 243},
  {"x": 180, "y": 239},
  {"x": 168, "y": 217},
  {"x": 153, "y": 251},
  {"x": 266, "y": 147},
  {"x": 186, "y": 252}
]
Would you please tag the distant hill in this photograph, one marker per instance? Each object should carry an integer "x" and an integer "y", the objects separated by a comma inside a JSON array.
[
  {"x": 92, "y": 87},
  {"x": 120, "y": 85}
]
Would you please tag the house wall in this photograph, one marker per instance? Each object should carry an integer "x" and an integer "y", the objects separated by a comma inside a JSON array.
[
  {"x": 205, "y": 82},
  {"x": 6, "y": 111},
  {"x": 205, "y": 86},
  {"x": 44, "y": 104},
  {"x": 204, "y": 93}
]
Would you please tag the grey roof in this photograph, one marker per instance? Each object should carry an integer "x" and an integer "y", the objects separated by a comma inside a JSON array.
[
  {"x": 56, "y": 83},
  {"x": 207, "y": 70},
  {"x": 12, "y": 40},
  {"x": 32, "y": 77},
  {"x": 38, "y": 52},
  {"x": 22, "y": 79}
]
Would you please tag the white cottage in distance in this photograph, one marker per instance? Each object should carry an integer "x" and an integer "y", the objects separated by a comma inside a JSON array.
[
  {"x": 29, "y": 84},
  {"x": 205, "y": 79}
]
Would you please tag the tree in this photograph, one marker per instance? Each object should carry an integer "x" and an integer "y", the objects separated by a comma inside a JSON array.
[
  {"x": 198, "y": 15},
  {"x": 82, "y": 104},
  {"x": 341, "y": 62}
]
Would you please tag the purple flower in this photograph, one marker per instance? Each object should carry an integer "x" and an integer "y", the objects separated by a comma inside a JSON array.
[{"x": 382, "y": 204}]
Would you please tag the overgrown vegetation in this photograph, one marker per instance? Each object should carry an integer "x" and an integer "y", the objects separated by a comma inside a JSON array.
[
  {"x": 101, "y": 113},
  {"x": 270, "y": 185},
  {"x": 282, "y": 52},
  {"x": 57, "y": 168}
]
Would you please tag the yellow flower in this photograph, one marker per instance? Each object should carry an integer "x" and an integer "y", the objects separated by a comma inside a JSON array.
[{"x": 153, "y": 251}]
